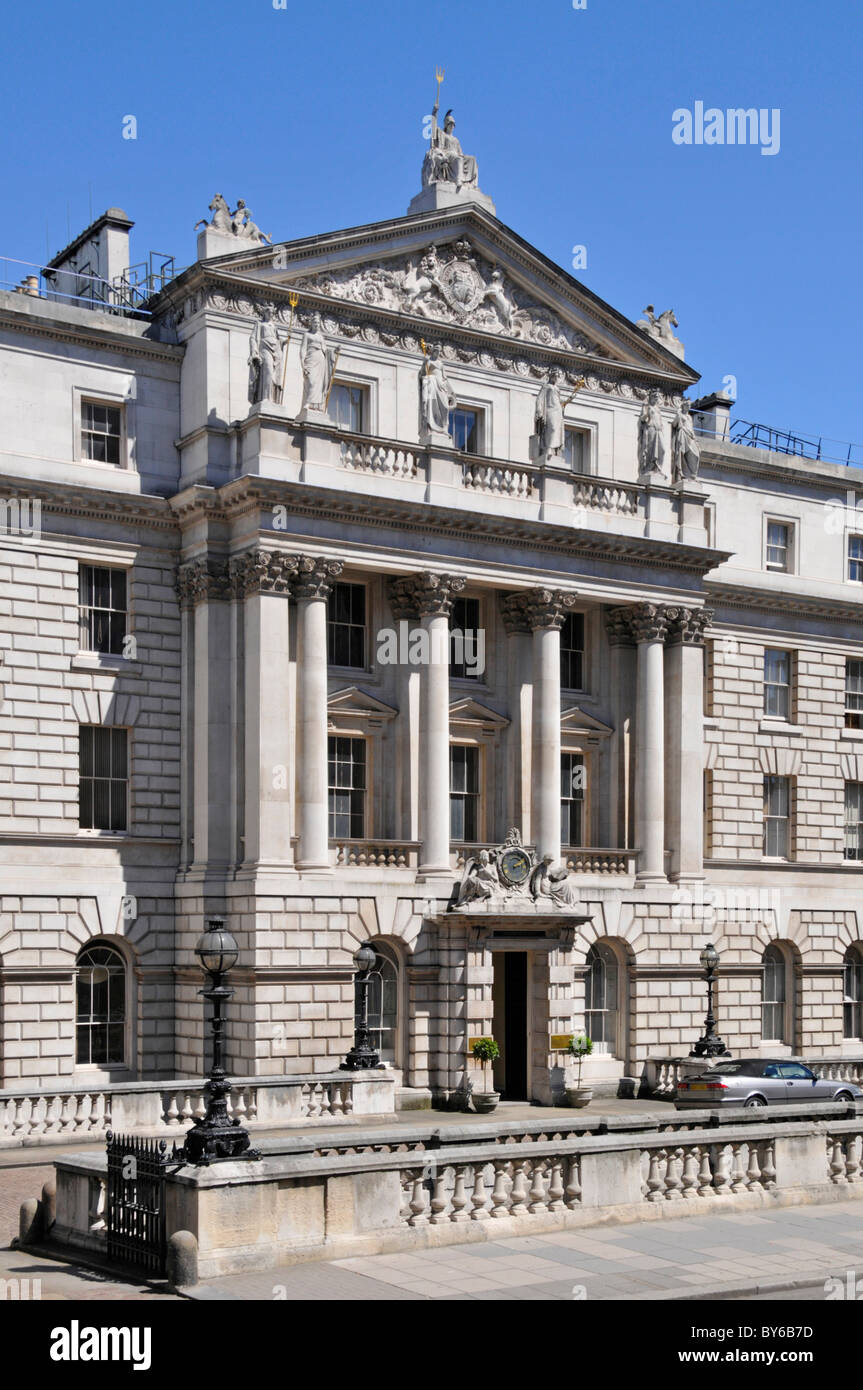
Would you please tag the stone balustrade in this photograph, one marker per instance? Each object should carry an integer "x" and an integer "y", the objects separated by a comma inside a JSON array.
[
  {"x": 585, "y": 860},
  {"x": 249, "y": 1215},
  {"x": 499, "y": 478},
  {"x": 661, "y": 1074},
  {"x": 595, "y": 494},
  {"x": 390, "y": 854},
  {"x": 390, "y": 459},
  {"x": 71, "y": 1114}
]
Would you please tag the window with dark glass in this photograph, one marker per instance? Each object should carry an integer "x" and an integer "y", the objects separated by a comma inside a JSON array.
[
  {"x": 100, "y": 1008},
  {"x": 383, "y": 1003},
  {"x": 102, "y": 609},
  {"x": 572, "y": 787},
  {"x": 464, "y": 426},
  {"x": 853, "y": 694},
  {"x": 101, "y": 432},
  {"x": 347, "y": 407},
  {"x": 347, "y": 788},
  {"x": 103, "y": 778},
  {"x": 464, "y": 793},
  {"x": 600, "y": 998},
  {"x": 773, "y": 996},
  {"x": 777, "y": 683},
  {"x": 855, "y": 559},
  {"x": 854, "y": 820},
  {"x": 572, "y": 652},
  {"x": 464, "y": 619},
  {"x": 777, "y": 816},
  {"x": 575, "y": 450},
  {"x": 346, "y": 626},
  {"x": 852, "y": 993}
]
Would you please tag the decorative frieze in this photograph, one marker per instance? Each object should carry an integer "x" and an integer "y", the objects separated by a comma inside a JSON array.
[
  {"x": 535, "y": 609},
  {"x": 424, "y": 595}
]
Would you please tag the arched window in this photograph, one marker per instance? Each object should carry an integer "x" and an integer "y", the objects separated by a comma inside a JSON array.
[
  {"x": 100, "y": 1007},
  {"x": 601, "y": 998},
  {"x": 384, "y": 1003},
  {"x": 852, "y": 1002},
  {"x": 774, "y": 995}
]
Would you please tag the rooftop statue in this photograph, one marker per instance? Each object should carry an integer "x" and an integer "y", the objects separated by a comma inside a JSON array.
[
  {"x": 448, "y": 174},
  {"x": 660, "y": 327},
  {"x": 239, "y": 223}
]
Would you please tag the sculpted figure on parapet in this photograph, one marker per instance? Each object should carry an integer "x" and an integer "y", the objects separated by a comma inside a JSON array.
[
  {"x": 651, "y": 450},
  {"x": 266, "y": 354},
  {"x": 685, "y": 448},
  {"x": 437, "y": 398}
]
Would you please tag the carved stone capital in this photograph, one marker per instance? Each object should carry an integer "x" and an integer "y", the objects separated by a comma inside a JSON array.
[
  {"x": 263, "y": 572},
  {"x": 199, "y": 581},
  {"x": 314, "y": 576},
  {"x": 424, "y": 595},
  {"x": 535, "y": 609},
  {"x": 687, "y": 625},
  {"x": 649, "y": 622},
  {"x": 618, "y": 627}
]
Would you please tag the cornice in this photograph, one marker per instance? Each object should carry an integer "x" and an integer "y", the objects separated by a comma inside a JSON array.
[
  {"x": 716, "y": 455},
  {"x": 94, "y": 504},
  {"x": 98, "y": 335},
  {"x": 243, "y": 496},
  {"x": 771, "y": 601}
]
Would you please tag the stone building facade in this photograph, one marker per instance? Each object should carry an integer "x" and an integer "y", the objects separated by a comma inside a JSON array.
[{"x": 230, "y": 683}]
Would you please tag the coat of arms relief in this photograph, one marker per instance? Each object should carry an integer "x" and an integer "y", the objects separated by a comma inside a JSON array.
[{"x": 453, "y": 285}]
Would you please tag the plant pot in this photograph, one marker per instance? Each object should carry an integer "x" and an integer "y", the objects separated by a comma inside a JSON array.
[
  {"x": 485, "y": 1101},
  {"x": 578, "y": 1096}
]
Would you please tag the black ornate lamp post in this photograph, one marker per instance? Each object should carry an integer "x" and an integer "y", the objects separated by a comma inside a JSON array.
[
  {"x": 362, "y": 1056},
  {"x": 710, "y": 1044},
  {"x": 216, "y": 1135}
]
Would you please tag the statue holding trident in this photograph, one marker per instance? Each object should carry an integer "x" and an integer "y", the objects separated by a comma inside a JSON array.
[{"x": 444, "y": 161}]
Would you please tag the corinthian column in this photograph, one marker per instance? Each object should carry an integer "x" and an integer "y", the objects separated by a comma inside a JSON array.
[
  {"x": 649, "y": 625},
  {"x": 262, "y": 580},
  {"x": 543, "y": 611},
  {"x": 429, "y": 597},
  {"x": 684, "y": 681},
  {"x": 312, "y": 587}
]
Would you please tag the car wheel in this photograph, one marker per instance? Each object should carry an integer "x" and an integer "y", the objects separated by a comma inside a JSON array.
[
  {"x": 754, "y": 1103},
  {"x": 844, "y": 1096}
]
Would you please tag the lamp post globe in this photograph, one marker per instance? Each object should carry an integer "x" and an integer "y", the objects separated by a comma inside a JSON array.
[
  {"x": 709, "y": 1044},
  {"x": 362, "y": 1056},
  {"x": 216, "y": 1135}
]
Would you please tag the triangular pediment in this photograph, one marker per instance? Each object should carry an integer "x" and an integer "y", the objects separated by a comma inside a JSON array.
[
  {"x": 577, "y": 721},
  {"x": 464, "y": 269},
  {"x": 470, "y": 711},
  {"x": 354, "y": 703}
]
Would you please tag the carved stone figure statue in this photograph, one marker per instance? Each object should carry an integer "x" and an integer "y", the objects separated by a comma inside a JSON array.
[
  {"x": 222, "y": 220},
  {"x": 480, "y": 880},
  {"x": 685, "y": 448},
  {"x": 265, "y": 360},
  {"x": 316, "y": 359},
  {"x": 660, "y": 327},
  {"x": 436, "y": 395},
  {"x": 418, "y": 283},
  {"x": 444, "y": 161},
  {"x": 651, "y": 450},
  {"x": 497, "y": 295},
  {"x": 551, "y": 879},
  {"x": 548, "y": 417},
  {"x": 243, "y": 224}
]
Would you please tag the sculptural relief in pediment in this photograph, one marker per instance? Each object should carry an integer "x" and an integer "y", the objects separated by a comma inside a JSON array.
[{"x": 452, "y": 285}]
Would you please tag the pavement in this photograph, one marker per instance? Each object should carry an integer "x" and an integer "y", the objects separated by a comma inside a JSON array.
[{"x": 730, "y": 1254}]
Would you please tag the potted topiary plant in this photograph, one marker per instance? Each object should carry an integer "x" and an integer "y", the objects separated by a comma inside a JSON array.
[
  {"x": 580, "y": 1046},
  {"x": 485, "y": 1050}
]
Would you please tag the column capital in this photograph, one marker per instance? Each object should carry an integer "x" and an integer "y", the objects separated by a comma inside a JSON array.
[
  {"x": 649, "y": 622},
  {"x": 688, "y": 625},
  {"x": 200, "y": 580},
  {"x": 425, "y": 595},
  {"x": 618, "y": 627},
  {"x": 314, "y": 576},
  {"x": 263, "y": 572},
  {"x": 531, "y": 610}
]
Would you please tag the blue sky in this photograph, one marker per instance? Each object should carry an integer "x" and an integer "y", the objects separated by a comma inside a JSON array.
[{"x": 313, "y": 114}]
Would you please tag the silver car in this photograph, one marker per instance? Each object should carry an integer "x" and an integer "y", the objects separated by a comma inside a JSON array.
[{"x": 755, "y": 1081}]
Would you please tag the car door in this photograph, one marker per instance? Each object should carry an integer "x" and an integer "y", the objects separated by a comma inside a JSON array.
[
  {"x": 772, "y": 1084},
  {"x": 800, "y": 1083}
]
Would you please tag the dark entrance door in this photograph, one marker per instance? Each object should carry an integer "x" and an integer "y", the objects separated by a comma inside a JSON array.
[{"x": 515, "y": 1025}]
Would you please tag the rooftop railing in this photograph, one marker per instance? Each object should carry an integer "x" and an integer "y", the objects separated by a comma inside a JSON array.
[{"x": 125, "y": 294}]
